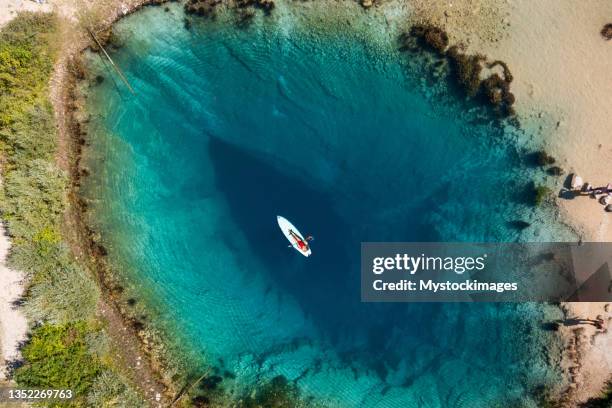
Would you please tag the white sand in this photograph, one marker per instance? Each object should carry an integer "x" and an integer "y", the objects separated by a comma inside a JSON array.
[
  {"x": 10, "y": 8},
  {"x": 593, "y": 362},
  {"x": 563, "y": 86},
  {"x": 13, "y": 325},
  {"x": 563, "y": 83},
  {"x": 563, "y": 68}
]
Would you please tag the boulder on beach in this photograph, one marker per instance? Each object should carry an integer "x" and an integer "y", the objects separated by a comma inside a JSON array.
[
  {"x": 576, "y": 181},
  {"x": 606, "y": 31}
]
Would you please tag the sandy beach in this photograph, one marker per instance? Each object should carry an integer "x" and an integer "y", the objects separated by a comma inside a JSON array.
[
  {"x": 9, "y": 8},
  {"x": 13, "y": 325},
  {"x": 562, "y": 67}
]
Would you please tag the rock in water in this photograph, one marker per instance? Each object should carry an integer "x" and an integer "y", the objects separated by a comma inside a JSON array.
[
  {"x": 519, "y": 224},
  {"x": 555, "y": 171}
]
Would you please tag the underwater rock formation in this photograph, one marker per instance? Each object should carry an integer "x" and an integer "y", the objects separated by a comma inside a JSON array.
[
  {"x": 204, "y": 8},
  {"x": 430, "y": 36},
  {"x": 495, "y": 90},
  {"x": 519, "y": 224},
  {"x": 243, "y": 8},
  {"x": 266, "y": 5},
  {"x": 555, "y": 171},
  {"x": 543, "y": 158},
  {"x": 474, "y": 74}
]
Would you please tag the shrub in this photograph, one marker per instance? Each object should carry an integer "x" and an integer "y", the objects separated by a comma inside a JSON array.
[
  {"x": 26, "y": 61},
  {"x": 541, "y": 193},
  {"x": 64, "y": 293},
  {"x": 110, "y": 390},
  {"x": 57, "y": 357}
]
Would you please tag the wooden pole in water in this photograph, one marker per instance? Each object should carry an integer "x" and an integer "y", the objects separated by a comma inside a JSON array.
[
  {"x": 123, "y": 78},
  {"x": 186, "y": 389}
]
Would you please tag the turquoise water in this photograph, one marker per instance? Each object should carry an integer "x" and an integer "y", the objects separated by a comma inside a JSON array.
[{"x": 345, "y": 138}]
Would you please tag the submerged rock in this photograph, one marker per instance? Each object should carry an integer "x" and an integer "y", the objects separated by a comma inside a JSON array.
[
  {"x": 204, "y": 8},
  {"x": 555, "y": 171},
  {"x": 467, "y": 69},
  {"x": 543, "y": 158},
  {"x": 245, "y": 17},
  {"x": 430, "y": 36},
  {"x": 266, "y": 5},
  {"x": 519, "y": 224}
]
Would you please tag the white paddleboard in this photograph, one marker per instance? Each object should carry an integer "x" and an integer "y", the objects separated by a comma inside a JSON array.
[{"x": 290, "y": 233}]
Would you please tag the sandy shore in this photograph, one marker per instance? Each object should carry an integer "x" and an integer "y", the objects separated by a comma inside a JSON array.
[
  {"x": 10, "y": 8},
  {"x": 563, "y": 86},
  {"x": 13, "y": 325},
  {"x": 561, "y": 65},
  {"x": 588, "y": 357}
]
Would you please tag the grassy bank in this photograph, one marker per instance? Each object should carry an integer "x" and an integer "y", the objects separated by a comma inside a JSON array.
[{"x": 67, "y": 346}]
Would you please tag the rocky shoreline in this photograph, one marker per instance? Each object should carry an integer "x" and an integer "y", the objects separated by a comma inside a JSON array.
[{"x": 129, "y": 337}]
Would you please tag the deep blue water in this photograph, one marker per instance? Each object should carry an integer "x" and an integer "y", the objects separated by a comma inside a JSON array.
[{"x": 230, "y": 128}]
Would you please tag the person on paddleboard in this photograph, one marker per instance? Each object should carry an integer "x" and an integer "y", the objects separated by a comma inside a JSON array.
[{"x": 302, "y": 244}]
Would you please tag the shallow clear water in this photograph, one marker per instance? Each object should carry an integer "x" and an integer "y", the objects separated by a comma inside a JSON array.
[{"x": 232, "y": 127}]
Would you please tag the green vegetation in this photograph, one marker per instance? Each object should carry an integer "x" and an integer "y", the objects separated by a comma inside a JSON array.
[
  {"x": 541, "y": 194},
  {"x": 278, "y": 393},
  {"x": 109, "y": 391},
  {"x": 58, "y": 357},
  {"x": 63, "y": 350}
]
